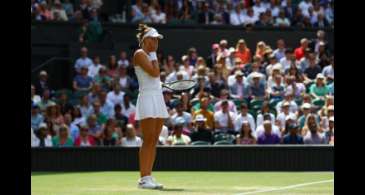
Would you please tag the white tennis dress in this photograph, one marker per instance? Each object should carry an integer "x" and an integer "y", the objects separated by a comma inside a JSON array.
[{"x": 150, "y": 101}]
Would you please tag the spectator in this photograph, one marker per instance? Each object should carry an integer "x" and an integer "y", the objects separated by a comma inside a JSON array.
[
  {"x": 273, "y": 63},
  {"x": 84, "y": 106},
  {"x": 243, "y": 52},
  {"x": 54, "y": 116},
  {"x": 211, "y": 59},
  {"x": 131, "y": 139},
  {"x": 39, "y": 13},
  {"x": 246, "y": 135},
  {"x": 127, "y": 106},
  {"x": 44, "y": 138},
  {"x": 95, "y": 67},
  {"x": 242, "y": 117},
  {"x": 298, "y": 19},
  {"x": 103, "y": 79},
  {"x": 65, "y": 105},
  {"x": 115, "y": 96},
  {"x": 296, "y": 89},
  {"x": 163, "y": 135},
  {"x": 84, "y": 139},
  {"x": 83, "y": 61},
  {"x": 288, "y": 97},
  {"x": 237, "y": 16},
  {"x": 33, "y": 138},
  {"x": 277, "y": 90},
  {"x": 177, "y": 138},
  {"x": 264, "y": 20},
  {"x": 280, "y": 52},
  {"x": 313, "y": 69},
  {"x": 201, "y": 133},
  {"x": 192, "y": 56},
  {"x": 268, "y": 137},
  {"x": 299, "y": 52},
  {"x": 36, "y": 118},
  {"x": 282, "y": 21},
  {"x": 59, "y": 14},
  {"x": 85, "y": 8},
  {"x": 63, "y": 139},
  {"x": 204, "y": 102},
  {"x": 284, "y": 114},
  {"x": 100, "y": 112},
  {"x": 313, "y": 136},
  {"x": 239, "y": 90},
  {"x": 261, "y": 49},
  {"x": 35, "y": 98},
  {"x": 95, "y": 127},
  {"x": 311, "y": 120},
  {"x": 292, "y": 137},
  {"x": 186, "y": 66},
  {"x": 330, "y": 133},
  {"x": 328, "y": 71},
  {"x": 123, "y": 60},
  {"x": 119, "y": 116},
  {"x": 323, "y": 55},
  {"x": 304, "y": 7},
  {"x": 257, "y": 88},
  {"x": 265, "y": 112},
  {"x": 216, "y": 85},
  {"x": 77, "y": 117},
  {"x": 112, "y": 67},
  {"x": 275, "y": 8},
  {"x": 68, "y": 7},
  {"x": 250, "y": 18},
  {"x": 288, "y": 59},
  {"x": 205, "y": 16},
  {"x": 295, "y": 72},
  {"x": 306, "y": 109},
  {"x": 82, "y": 82},
  {"x": 109, "y": 136},
  {"x": 74, "y": 130},
  {"x": 329, "y": 12},
  {"x": 159, "y": 16},
  {"x": 321, "y": 22},
  {"x": 259, "y": 7},
  {"x": 319, "y": 89},
  {"x": 289, "y": 9},
  {"x": 43, "y": 83},
  {"x": 256, "y": 67},
  {"x": 224, "y": 119},
  {"x": 185, "y": 115},
  {"x": 224, "y": 94},
  {"x": 45, "y": 101}
]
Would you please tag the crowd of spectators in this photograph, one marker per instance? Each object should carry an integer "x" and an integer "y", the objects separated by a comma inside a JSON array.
[
  {"x": 273, "y": 95},
  {"x": 267, "y": 13}
]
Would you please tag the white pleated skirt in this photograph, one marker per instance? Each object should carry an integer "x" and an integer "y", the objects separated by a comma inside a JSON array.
[{"x": 151, "y": 104}]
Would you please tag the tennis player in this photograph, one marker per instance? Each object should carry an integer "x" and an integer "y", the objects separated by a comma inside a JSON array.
[{"x": 151, "y": 108}]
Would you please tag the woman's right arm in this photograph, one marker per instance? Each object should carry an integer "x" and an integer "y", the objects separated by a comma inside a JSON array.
[{"x": 152, "y": 68}]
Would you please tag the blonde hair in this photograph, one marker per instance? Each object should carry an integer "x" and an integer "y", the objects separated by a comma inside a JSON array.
[{"x": 142, "y": 30}]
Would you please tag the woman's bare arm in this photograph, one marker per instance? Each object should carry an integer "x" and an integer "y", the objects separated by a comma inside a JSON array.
[{"x": 152, "y": 68}]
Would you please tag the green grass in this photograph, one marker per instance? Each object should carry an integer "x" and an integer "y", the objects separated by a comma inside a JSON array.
[{"x": 194, "y": 183}]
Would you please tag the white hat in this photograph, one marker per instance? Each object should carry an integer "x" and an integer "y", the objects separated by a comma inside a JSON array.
[
  {"x": 276, "y": 67},
  {"x": 320, "y": 76},
  {"x": 291, "y": 117},
  {"x": 200, "y": 117},
  {"x": 306, "y": 106},
  {"x": 43, "y": 73},
  {"x": 179, "y": 121},
  {"x": 267, "y": 122},
  {"x": 332, "y": 119},
  {"x": 152, "y": 33},
  {"x": 256, "y": 75},
  {"x": 286, "y": 104},
  {"x": 42, "y": 125}
]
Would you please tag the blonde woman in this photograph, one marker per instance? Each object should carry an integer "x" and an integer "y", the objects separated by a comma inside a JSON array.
[{"x": 150, "y": 108}]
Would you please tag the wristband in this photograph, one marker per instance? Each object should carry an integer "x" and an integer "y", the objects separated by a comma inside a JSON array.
[{"x": 152, "y": 56}]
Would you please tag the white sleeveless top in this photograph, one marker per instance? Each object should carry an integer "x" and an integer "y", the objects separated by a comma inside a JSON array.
[{"x": 146, "y": 82}]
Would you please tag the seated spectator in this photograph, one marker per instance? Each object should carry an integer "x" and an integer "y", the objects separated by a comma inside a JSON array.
[
  {"x": 205, "y": 16},
  {"x": 185, "y": 115},
  {"x": 242, "y": 52},
  {"x": 283, "y": 114},
  {"x": 44, "y": 138},
  {"x": 306, "y": 109},
  {"x": 200, "y": 132},
  {"x": 313, "y": 136},
  {"x": 250, "y": 18},
  {"x": 33, "y": 138},
  {"x": 261, "y": 49},
  {"x": 65, "y": 105},
  {"x": 313, "y": 69},
  {"x": 35, "y": 98},
  {"x": 83, "y": 61},
  {"x": 109, "y": 136},
  {"x": 264, "y": 20},
  {"x": 224, "y": 119},
  {"x": 239, "y": 90},
  {"x": 299, "y": 52},
  {"x": 77, "y": 118},
  {"x": 246, "y": 135},
  {"x": 74, "y": 130},
  {"x": 328, "y": 72},
  {"x": 177, "y": 138},
  {"x": 112, "y": 71},
  {"x": 257, "y": 88},
  {"x": 244, "y": 116},
  {"x": 84, "y": 138},
  {"x": 136, "y": 12},
  {"x": 119, "y": 116},
  {"x": 259, "y": 7},
  {"x": 265, "y": 114},
  {"x": 303, "y": 63},
  {"x": 297, "y": 73},
  {"x": 192, "y": 56},
  {"x": 224, "y": 97},
  {"x": 212, "y": 58},
  {"x": 45, "y": 101},
  {"x": 158, "y": 16},
  {"x": 304, "y": 7},
  {"x": 282, "y": 21},
  {"x": 101, "y": 117},
  {"x": 59, "y": 14},
  {"x": 204, "y": 102},
  {"x": 279, "y": 52},
  {"x": 68, "y": 7},
  {"x": 63, "y": 139},
  {"x": 42, "y": 84},
  {"x": 216, "y": 85},
  {"x": 325, "y": 114},
  {"x": 186, "y": 66},
  {"x": 95, "y": 67},
  {"x": 106, "y": 105},
  {"x": 277, "y": 90},
  {"x": 292, "y": 137},
  {"x": 330, "y": 133},
  {"x": 163, "y": 135},
  {"x": 237, "y": 16},
  {"x": 94, "y": 93},
  {"x": 256, "y": 67},
  {"x": 131, "y": 139},
  {"x": 123, "y": 60},
  {"x": 321, "y": 21},
  {"x": 268, "y": 137},
  {"x": 167, "y": 95},
  {"x": 95, "y": 128},
  {"x": 294, "y": 88},
  {"x": 319, "y": 89},
  {"x": 273, "y": 63},
  {"x": 103, "y": 79},
  {"x": 288, "y": 59},
  {"x": 82, "y": 82},
  {"x": 36, "y": 118},
  {"x": 115, "y": 96},
  {"x": 54, "y": 116},
  {"x": 293, "y": 107},
  {"x": 84, "y": 106},
  {"x": 311, "y": 120},
  {"x": 127, "y": 106}
]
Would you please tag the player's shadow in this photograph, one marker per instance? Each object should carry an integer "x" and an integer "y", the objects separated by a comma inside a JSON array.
[{"x": 172, "y": 189}]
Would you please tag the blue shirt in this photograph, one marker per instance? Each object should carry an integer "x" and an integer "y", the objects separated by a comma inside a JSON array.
[
  {"x": 83, "y": 82},
  {"x": 279, "y": 54},
  {"x": 258, "y": 91},
  {"x": 36, "y": 121},
  {"x": 107, "y": 109},
  {"x": 297, "y": 139},
  {"x": 268, "y": 139},
  {"x": 74, "y": 132}
]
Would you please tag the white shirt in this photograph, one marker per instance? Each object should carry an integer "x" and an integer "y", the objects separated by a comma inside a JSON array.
[
  {"x": 282, "y": 21},
  {"x": 161, "y": 18},
  {"x": 137, "y": 141},
  {"x": 222, "y": 118},
  {"x": 129, "y": 111},
  {"x": 293, "y": 107},
  {"x": 36, "y": 99},
  {"x": 115, "y": 98},
  {"x": 281, "y": 118},
  {"x": 250, "y": 19},
  {"x": 123, "y": 82},
  {"x": 81, "y": 62},
  {"x": 172, "y": 76},
  {"x": 275, "y": 11},
  {"x": 285, "y": 63},
  {"x": 236, "y": 18},
  {"x": 47, "y": 142},
  {"x": 304, "y": 6},
  {"x": 274, "y": 129},
  {"x": 164, "y": 135},
  {"x": 260, "y": 119},
  {"x": 259, "y": 9},
  {"x": 185, "y": 115},
  {"x": 328, "y": 71},
  {"x": 94, "y": 70},
  {"x": 239, "y": 121},
  {"x": 231, "y": 106},
  {"x": 124, "y": 62}
]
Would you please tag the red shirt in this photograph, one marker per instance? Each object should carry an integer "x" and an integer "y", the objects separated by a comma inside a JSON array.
[
  {"x": 90, "y": 139},
  {"x": 244, "y": 56},
  {"x": 299, "y": 53}
]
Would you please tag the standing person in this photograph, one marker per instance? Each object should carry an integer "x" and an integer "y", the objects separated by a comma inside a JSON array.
[{"x": 151, "y": 108}]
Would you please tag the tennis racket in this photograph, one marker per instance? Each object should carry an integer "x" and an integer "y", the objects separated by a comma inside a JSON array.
[{"x": 179, "y": 86}]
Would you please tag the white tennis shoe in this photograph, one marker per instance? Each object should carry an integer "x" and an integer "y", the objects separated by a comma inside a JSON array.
[{"x": 148, "y": 182}]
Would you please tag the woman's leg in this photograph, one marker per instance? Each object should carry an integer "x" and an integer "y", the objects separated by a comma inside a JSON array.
[
  {"x": 147, "y": 150},
  {"x": 156, "y": 135}
]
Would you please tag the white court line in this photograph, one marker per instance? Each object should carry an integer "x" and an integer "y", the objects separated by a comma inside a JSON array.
[{"x": 286, "y": 187}]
